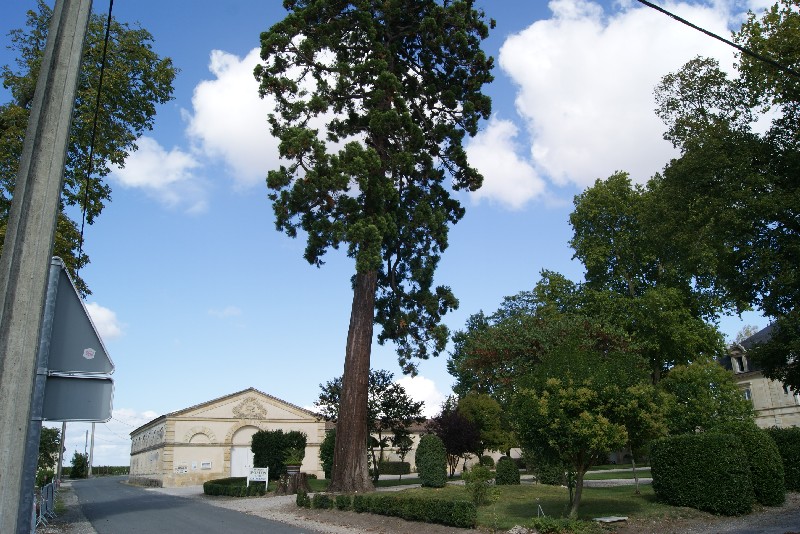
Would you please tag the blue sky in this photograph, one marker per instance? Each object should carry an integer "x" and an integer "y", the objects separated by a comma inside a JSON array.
[{"x": 198, "y": 296}]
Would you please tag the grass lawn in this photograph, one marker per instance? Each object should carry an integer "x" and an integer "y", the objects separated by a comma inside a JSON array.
[{"x": 517, "y": 505}]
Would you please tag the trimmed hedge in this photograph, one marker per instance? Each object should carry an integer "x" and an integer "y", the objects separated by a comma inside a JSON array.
[
  {"x": 394, "y": 468},
  {"x": 704, "y": 471},
  {"x": 507, "y": 472},
  {"x": 788, "y": 442},
  {"x": 764, "y": 460},
  {"x": 303, "y": 500},
  {"x": 460, "y": 514},
  {"x": 234, "y": 487},
  {"x": 431, "y": 460},
  {"x": 487, "y": 461},
  {"x": 321, "y": 501}
]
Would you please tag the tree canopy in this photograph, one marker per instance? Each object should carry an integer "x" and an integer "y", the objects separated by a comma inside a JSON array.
[
  {"x": 135, "y": 82},
  {"x": 373, "y": 100},
  {"x": 733, "y": 191}
]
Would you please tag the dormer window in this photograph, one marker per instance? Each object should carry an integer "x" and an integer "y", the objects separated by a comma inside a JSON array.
[{"x": 739, "y": 364}]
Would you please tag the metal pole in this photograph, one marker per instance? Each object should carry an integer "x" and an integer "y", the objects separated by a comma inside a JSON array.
[
  {"x": 29, "y": 244},
  {"x": 86, "y": 443},
  {"x": 91, "y": 452}
]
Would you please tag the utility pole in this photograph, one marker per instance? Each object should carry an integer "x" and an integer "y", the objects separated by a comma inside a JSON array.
[
  {"x": 61, "y": 452},
  {"x": 91, "y": 453},
  {"x": 25, "y": 262}
]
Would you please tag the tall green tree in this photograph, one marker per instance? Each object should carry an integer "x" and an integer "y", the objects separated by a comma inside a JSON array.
[
  {"x": 49, "y": 443},
  {"x": 389, "y": 410},
  {"x": 494, "y": 427},
  {"x": 575, "y": 405},
  {"x": 734, "y": 190},
  {"x": 373, "y": 101},
  {"x": 636, "y": 277},
  {"x": 136, "y": 80}
]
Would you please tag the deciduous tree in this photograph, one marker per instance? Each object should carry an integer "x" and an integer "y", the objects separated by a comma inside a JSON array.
[
  {"x": 734, "y": 191},
  {"x": 135, "y": 81},
  {"x": 373, "y": 100},
  {"x": 390, "y": 410}
]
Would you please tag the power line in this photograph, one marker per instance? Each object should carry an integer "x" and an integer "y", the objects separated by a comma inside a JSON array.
[
  {"x": 742, "y": 49},
  {"x": 94, "y": 126}
]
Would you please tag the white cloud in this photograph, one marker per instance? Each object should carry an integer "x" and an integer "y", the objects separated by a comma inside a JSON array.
[
  {"x": 105, "y": 320},
  {"x": 165, "y": 175},
  {"x": 585, "y": 84},
  {"x": 507, "y": 178},
  {"x": 423, "y": 389},
  {"x": 229, "y": 120},
  {"x": 228, "y": 311}
]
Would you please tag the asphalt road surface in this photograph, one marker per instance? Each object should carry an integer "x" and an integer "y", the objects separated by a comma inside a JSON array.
[{"x": 116, "y": 508}]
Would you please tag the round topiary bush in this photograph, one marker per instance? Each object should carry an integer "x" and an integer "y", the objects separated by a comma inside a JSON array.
[
  {"x": 764, "y": 460},
  {"x": 487, "y": 461},
  {"x": 431, "y": 460},
  {"x": 506, "y": 473},
  {"x": 788, "y": 443}
]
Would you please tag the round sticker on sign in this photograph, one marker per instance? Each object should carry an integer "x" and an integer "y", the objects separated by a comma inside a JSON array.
[{"x": 88, "y": 354}]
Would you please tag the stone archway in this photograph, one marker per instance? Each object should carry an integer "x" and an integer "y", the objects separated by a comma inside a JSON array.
[{"x": 237, "y": 445}]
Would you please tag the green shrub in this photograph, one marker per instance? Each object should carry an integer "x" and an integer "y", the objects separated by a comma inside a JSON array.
[
  {"x": 788, "y": 442},
  {"x": 326, "y": 451},
  {"x": 764, "y": 460},
  {"x": 431, "y": 460},
  {"x": 344, "y": 502},
  {"x": 360, "y": 503},
  {"x": 234, "y": 487},
  {"x": 507, "y": 472},
  {"x": 321, "y": 501},
  {"x": 460, "y": 514},
  {"x": 80, "y": 465},
  {"x": 704, "y": 471},
  {"x": 270, "y": 446},
  {"x": 478, "y": 482},
  {"x": 552, "y": 474},
  {"x": 487, "y": 461},
  {"x": 303, "y": 500},
  {"x": 44, "y": 477},
  {"x": 394, "y": 468}
]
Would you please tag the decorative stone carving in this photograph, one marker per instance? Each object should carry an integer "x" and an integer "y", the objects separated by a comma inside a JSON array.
[
  {"x": 200, "y": 430},
  {"x": 251, "y": 409}
]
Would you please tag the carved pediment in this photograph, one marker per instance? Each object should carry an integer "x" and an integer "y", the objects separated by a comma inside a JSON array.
[{"x": 250, "y": 408}]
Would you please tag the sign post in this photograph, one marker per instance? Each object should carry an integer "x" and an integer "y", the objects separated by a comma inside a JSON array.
[{"x": 258, "y": 474}]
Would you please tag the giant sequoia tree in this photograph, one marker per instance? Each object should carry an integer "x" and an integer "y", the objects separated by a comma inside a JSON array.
[
  {"x": 135, "y": 81},
  {"x": 373, "y": 100}
]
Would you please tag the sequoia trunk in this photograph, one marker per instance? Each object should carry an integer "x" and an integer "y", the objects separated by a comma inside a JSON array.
[{"x": 350, "y": 469}]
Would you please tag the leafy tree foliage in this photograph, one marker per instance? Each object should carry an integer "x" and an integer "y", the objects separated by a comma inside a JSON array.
[
  {"x": 633, "y": 276},
  {"x": 49, "y": 444},
  {"x": 326, "y": 452},
  {"x": 572, "y": 406},
  {"x": 389, "y": 410},
  {"x": 373, "y": 100},
  {"x": 459, "y": 435},
  {"x": 733, "y": 192},
  {"x": 80, "y": 465},
  {"x": 135, "y": 81},
  {"x": 702, "y": 395},
  {"x": 271, "y": 447},
  {"x": 486, "y": 414}
]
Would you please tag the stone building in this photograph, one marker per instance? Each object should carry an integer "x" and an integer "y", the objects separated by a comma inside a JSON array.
[
  {"x": 774, "y": 403},
  {"x": 212, "y": 440}
]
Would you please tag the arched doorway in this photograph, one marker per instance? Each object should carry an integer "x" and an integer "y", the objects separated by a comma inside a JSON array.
[{"x": 241, "y": 455}]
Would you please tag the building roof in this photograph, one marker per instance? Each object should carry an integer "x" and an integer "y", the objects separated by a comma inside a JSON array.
[{"x": 182, "y": 411}]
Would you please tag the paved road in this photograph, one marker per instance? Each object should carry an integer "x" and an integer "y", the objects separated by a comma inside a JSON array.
[{"x": 116, "y": 508}]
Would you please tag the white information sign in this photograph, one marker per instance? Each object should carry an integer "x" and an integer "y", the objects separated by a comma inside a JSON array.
[{"x": 258, "y": 474}]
